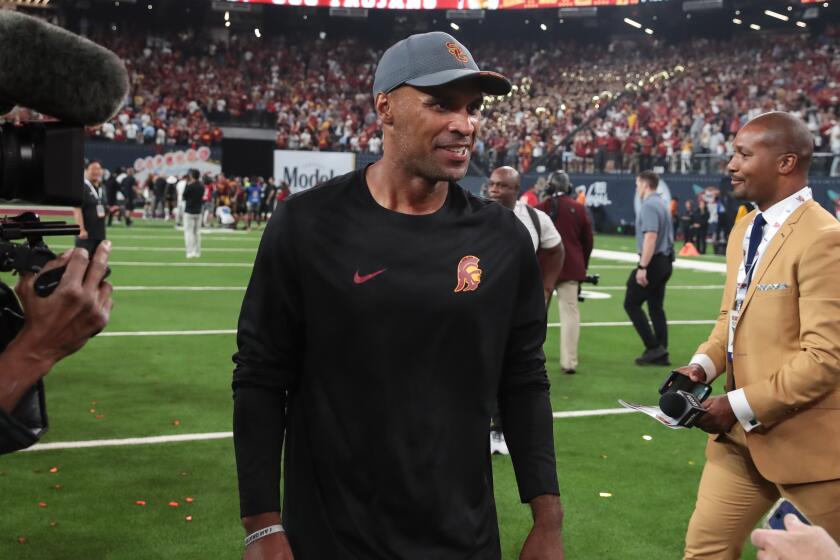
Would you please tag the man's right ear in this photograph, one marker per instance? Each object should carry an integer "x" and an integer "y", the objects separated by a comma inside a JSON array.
[{"x": 384, "y": 108}]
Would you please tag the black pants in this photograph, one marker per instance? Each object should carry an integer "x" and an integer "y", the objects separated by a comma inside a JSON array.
[{"x": 658, "y": 273}]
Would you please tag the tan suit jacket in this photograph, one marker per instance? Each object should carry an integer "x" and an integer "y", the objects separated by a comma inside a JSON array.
[{"x": 787, "y": 346}]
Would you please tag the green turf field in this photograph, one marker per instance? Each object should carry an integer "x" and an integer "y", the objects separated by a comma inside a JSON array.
[{"x": 626, "y": 496}]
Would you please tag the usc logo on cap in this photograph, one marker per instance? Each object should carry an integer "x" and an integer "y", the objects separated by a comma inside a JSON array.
[
  {"x": 456, "y": 52},
  {"x": 469, "y": 275}
]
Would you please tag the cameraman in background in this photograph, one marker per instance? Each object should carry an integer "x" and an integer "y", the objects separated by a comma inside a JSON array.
[{"x": 571, "y": 220}]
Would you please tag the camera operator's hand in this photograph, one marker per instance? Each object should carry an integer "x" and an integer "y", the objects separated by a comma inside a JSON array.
[{"x": 58, "y": 325}]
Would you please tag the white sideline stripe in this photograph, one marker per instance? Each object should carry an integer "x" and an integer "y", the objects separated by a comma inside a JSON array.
[
  {"x": 118, "y": 237},
  {"x": 629, "y": 324},
  {"x": 167, "y": 249},
  {"x": 127, "y": 441},
  {"x": 596, "y": 412},
  {"x": 167, "y": 333},
  {"x": 225, "y": 435},
  {"x": 233, "y": 331},
  {"x": 622, "y": 256},
  {"x": 187, "y": 264},
  {"x": 179, "y": 288},
  {"x": 670, "y": 287}
]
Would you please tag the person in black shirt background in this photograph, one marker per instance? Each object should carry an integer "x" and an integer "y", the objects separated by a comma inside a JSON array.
[
  {"x": 91, "y": 215},
  {"x": 128, "y": 187},
  {"x": 388, "y": 312},
  {"x": 193, "y": 205}
]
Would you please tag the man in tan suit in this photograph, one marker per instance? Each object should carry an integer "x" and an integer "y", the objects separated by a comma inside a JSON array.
[{"x": 776, "y": 432}]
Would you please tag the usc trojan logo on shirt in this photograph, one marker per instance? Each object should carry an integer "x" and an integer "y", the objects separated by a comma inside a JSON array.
[
  {"x": 456, "y": 51},
  {"x": 469, "y": 275}
]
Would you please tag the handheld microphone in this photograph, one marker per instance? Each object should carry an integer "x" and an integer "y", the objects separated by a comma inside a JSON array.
[
  {"x": 682, "y": 406},
  {"x": 57, "y": 73}
]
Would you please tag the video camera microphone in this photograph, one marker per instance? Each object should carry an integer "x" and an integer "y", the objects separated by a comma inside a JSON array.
[
  {"x": 58, "y": 73},
  {"x": 682, "y": 399},
  {"x": 682, "y": 406}
]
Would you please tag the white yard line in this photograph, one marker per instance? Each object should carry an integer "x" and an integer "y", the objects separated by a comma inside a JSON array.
[
  {"x": 183, "y": 264},
  {"x": 167, "y": 333},
  {"x": 154, "y": 440},
  {"x": 687, "y": 264},
  {"x": 669, "y": 287},
  {"x": 169, "y": 249},
  {"x": 233, "y": 331},
  {"x": 128, "y": 441},
  {"x": 179, "y": 288}
]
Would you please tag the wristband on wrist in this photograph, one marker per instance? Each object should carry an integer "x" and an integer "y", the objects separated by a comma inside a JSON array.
[
  {"x": 264, "y": 532},
  {"x": 640, "y": 267}
]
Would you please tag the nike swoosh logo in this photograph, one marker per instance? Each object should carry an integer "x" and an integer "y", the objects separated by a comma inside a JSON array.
[{"x": 360, "y": 279}]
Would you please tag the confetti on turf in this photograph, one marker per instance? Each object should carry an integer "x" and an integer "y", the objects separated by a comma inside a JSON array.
[
  {"x": 603, "y": 456},
  {"x": 185, "y": 473},
  {"x": 100, "y": 416},
  {"x": 176, "y": 422},
  {"x": 21, "y": 540},
  {"x": 92, "y": 402},
  {"x": 53, "y": 523},
  {"x": 140, "y": 503},
  {"x": 605, "y": 494},
  {"x": 691, "y": 463},
  {"x": 42, "y": 504},
  {"x": 57, "y": 486},
  {"x": 189, "y": 499},
  {"x": 174, "y": 504},
  {"x": 188, "y": 518},
  {"x": 647, "y": 437},
  {"x": 54, "y": 470},
  {"x": 92, "y": 411}
]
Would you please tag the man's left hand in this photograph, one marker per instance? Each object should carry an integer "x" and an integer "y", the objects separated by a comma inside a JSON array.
[
  {"x": 719, "y": 417},
  {"x": 641, "y": 277},
  {"x": 543, "y": 543}
]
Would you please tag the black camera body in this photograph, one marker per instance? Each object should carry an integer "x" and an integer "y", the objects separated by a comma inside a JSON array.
[{"x": 588, "y": 279}]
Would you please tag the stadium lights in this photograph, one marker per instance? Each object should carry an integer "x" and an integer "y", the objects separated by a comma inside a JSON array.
[
  {"x": 825, "y": 5},
  {"x": 633, "y": 22},
  {"x": 790, "y": 8},
  {"x": 737, "y": 21},
  {"x": 227, "y": 24},
  {"x": 149, "y": 6},
  {"x": 755, "y": 27},
  {"x": 801, "y": 24},
  {"x": 454, "y": 26},
  {"x": 257, "y": 32},
  {"x": 776, "y": 15},
  {"x": 227, "y": 16},
  {"x": 544, "y": 27},
  {"x": 648, "y": 30}
]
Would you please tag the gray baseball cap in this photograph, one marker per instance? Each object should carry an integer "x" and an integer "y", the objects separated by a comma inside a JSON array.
[{"x": 432, "y": 59}]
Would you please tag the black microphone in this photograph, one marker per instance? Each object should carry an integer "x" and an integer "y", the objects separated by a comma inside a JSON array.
[
  {"x": 682, "y": 406},
  {"x": 57, "y": 73}
]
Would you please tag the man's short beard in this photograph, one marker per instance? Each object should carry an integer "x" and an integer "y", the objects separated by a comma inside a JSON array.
[{"x": 434, "y": 174}]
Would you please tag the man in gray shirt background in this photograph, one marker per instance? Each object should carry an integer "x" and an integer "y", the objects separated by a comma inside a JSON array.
[{"x": 655, "y": 244}]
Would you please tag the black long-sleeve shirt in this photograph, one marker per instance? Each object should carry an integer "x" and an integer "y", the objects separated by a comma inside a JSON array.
[{"x": 389, "y": 350}]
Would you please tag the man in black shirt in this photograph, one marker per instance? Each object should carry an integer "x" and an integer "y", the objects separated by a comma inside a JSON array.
[
  {"x": 389, "y": 311},
  {"x": 193, "y": 204},
  {"x": 128, "y": 187},
  {"x": 91, "y": 215}
]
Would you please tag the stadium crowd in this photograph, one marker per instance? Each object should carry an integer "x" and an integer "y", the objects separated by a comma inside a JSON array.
[{"x": 676, "y": 106}]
